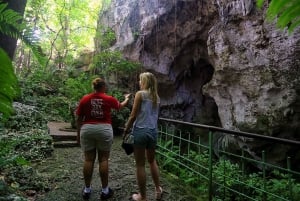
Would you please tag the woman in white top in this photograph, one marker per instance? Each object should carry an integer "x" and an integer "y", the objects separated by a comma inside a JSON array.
[{"x": 143, "y": 121}]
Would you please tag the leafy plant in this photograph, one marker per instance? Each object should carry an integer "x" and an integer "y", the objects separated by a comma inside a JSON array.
[
  {"x": 113, "y": 62},
  {"x": 65, "y": 29},
  {"x": 287, "y": 11},
  {"x": 9, "y": 21},
  {"x": 6, "y": 157},
  {"x": 106, "y": 38},
  {"x": 119, "y": 117},
  {"x": 238, "y": 183},
  {"x": 75, "y": 88},
  {"x": 10, "y": 24},
  {"x": 8, "y": 85}
]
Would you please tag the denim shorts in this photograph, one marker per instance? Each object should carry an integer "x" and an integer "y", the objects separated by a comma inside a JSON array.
[
  {"x": 145, "y": 137},
  {"x": 96, "y": 136}
]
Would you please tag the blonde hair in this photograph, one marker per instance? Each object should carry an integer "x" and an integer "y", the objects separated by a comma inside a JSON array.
[{"x": 149, "y": 82}]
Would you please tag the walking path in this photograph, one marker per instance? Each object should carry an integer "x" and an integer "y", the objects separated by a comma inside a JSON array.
[{"x": 66, "y": 167}]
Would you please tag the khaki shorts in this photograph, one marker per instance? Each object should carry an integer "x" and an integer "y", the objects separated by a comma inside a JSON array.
[{"x": 99, "y": 136}]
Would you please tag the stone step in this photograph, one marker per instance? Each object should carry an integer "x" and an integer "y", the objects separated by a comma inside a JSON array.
[
  {"x": 63, "y": 135},
  {"x": 64, "y": 144},
  {"x": 57, "y": 138}
]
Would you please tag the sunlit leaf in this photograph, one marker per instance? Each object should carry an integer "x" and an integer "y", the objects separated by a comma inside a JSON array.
[
  {"x": 276, "y": 7},
  {"x": 21, "y": 161},
  {"x": 288, "y": 15},
  {"x": 260, "y": 3},
  {"x": 294, "y": 25}
]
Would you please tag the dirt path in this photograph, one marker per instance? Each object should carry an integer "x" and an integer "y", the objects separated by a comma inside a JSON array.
[{"x": 66, "y": 167}]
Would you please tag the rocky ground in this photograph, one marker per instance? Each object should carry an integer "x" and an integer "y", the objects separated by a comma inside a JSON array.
[{"x": 66, "y": 166}]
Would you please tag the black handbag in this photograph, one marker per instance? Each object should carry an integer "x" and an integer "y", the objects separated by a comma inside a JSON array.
[{"x": 127, "y": 144}]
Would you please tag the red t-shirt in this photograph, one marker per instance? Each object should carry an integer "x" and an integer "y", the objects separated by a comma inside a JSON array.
[{"x": 96, "y": 108}]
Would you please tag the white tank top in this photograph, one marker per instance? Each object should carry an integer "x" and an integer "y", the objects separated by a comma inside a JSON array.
[{"x": 148, "y": 115}]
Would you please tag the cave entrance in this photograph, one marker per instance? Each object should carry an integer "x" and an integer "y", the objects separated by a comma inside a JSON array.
[{"x": 183, "y": 96}]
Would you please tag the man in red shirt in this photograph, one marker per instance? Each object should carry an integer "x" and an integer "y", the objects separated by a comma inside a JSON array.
[{"x": 95, "y": 134}]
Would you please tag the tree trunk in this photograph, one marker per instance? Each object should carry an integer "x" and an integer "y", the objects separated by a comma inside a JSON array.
[{"x": 7, "y": 43}]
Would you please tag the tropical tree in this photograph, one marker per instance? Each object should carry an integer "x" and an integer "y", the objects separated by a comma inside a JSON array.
[
  {"x": 65, "y": 28},
  {"x": 287, "y": 13}
]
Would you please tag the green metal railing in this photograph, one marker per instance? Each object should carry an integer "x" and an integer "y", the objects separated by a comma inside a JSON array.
[{"x": 226, "y": 180}]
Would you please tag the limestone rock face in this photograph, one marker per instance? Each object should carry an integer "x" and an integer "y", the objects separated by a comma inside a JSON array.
[{"x": 218, "y": 62}]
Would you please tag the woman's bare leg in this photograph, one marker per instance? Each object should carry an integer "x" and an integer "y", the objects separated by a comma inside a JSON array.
[
  {"x": 88, "y": 166},
  {"x": 139, "y": 154},
  {"x": 153, "y": 168},
  {"x": 103, "y": 157}
]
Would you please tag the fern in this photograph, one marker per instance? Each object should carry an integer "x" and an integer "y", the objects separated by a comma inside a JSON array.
[
  {"x": 8, "y": 85},
  {"x": 9, "y": 21},
  {"x": 33, "y": 44},
  {"x": 11, "y": 25}
]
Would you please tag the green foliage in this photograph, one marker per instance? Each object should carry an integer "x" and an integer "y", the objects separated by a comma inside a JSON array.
[
  {"x": 26, "y": 118},
  {"x": 8, "y": 85},
  {"x": 18, "y": 149},
  {"x": 26, "y": 178},
  {"x": 119, "y": 117},
  {"x": 64, "y": 28},
  {"x": 44, "y": 90},
  {"x": 75, "y": 88},
  {"x": 11, "y": 25},
  {"x": 9, "y": 21},
  {"x": 167, "y": 161},
  {"x": 25, "y": 139},
  {"x": 112, "y": 61},
  {"x": 34, "y": 145},
  {"x": 55, "y": 108},
  {"x": 6, "y": 158},
  {"x": 287, "y": 11},
  {"x": 227, "y": 174},
  {"x": 106, "y": 38}
]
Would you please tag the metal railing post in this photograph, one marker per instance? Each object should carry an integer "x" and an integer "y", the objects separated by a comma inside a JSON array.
[
  {"x": 289, "y": 177},
  {"x": 210, "y": 190},
  {"x": 264, "y": 175},
  {"x": 243, "y": 170}
]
